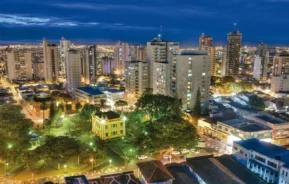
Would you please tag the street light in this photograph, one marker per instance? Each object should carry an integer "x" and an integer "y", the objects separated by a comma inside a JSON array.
[
  {"x": 110, "y": 162},
  {"x": 92, "y": 160},
  {"x": 65, "y": 166},
  {"x": 10, "y": 146}
]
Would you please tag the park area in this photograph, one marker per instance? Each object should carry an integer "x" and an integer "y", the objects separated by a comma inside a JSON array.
[{"x": 66, "y": 145}]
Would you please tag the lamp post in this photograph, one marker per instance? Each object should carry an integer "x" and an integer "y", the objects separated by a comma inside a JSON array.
[
  {"x": 6, "y": 167},
  {"x": 110, "y": 162},
  {"x": 92, "y": 161},
  {"x": 65, "y": 166}
]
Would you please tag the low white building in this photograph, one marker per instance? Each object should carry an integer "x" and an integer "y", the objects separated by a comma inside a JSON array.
[
  {"x": 280, "y": 83},
  {"x": 268, "y": 161}
]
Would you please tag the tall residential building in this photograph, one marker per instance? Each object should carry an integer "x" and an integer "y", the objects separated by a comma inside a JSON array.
[
  {"x": 161, "y": 78},
  {"x": 136, "y": 77},
  {"x": 51, "y": 61},
  {"x": 91, "y": 65},
  {"x": 205, "y": 42},
  {"x": 121, "y": 55},
  {"x": 73, "y": 70},
  {"x": 280, "y": 83},
  {"x": 160, "y": 51},
  {"x": 212, "y": 53},
  {"x": 19, "y": 66},
  {"x": 281, "y": 63},
  {"x": 106, "y": 65},
  {"x": 141, "y": 54},
  {"x": 38, "y": 70},
  {"x": 261, "y": 62},
  {"x": 64, "y": 47},
  {"x": 231, "y": 64},
  {"x": 193, "y": 72}
]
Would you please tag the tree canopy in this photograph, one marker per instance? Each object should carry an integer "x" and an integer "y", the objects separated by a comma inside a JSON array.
[
  {"x": 159, "y": 106},
  {"x": 257, "y": 102}
]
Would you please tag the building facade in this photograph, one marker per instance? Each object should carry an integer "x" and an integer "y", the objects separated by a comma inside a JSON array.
[
  {"x": 231, "y": 62},
  {"x": 51, "y": 62},
  {"x": 261, "y": 62},
  {"x": 281, "y": 63},
  {"x": 108, "y": 125},
  {"x": 73, "y": 70},
  {"x": 91, "y": 65},
  {"x": 121, "y": 55},
  {"x": 19, "y": 66},
  {"x": 64, "y": 48},
  {"x": 136, "y": 77},
  {"x": 205, "y": 42},
  {"x": 280, "y": 83},
  {"x": 193, "y": 72}
]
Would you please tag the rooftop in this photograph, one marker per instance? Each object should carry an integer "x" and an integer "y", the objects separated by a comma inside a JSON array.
[
  {"x": 90, "y": 90},
  {"x": 270, "y": 119},
  {"x": 181, "y": 174},
  {"x": 108, "y": 115},
  {"x": 267, "y": 149},
  {"x": 113, "y": 90},
  {"x": 154, "y": 171},
  {"x": 120, "y": 178},
  {"x": 245, "y": 125}
]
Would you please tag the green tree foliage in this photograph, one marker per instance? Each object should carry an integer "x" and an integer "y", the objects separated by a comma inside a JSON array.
[
  {"x": 60, "y": 108},
  {"x": 14, "y": 131},
  {"x": 257, "y": 102},
  {"x": 52, "y": 111},
  {"x": 87, "y": 111},
  {"x": 68, "y": 107},
  {"x": 228, "y": 79},
  {"x": 43, "y": 107},
  {"x": 159, "y": 106},
  {"x": 78, "y": 106},
  {"x": 58, "y": 151},
  {"x": 197, "y": 107},
  {"x": 120, "y": 103}
]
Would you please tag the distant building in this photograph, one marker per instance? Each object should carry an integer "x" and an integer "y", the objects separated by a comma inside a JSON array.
[
  {"x": 19, "y": 66},
  {"x": 268, "y": 161},
  {"x": 161, "y": 78},
  {"x": 141, "y": 54},
  {"x": 108, "y": 125},
  {"x": 91, "y": 65},
  {"x": 280, "y": 83},
  {"x": 73, "y": 70},
  {"x": 205, "y": 42},
  {"x": 231, "y": 60},
  {"x": 121, "y": 55},
  {"x": 94, "y": 95},
  {"x": 38, "y": 70},
  {"x": 160, "y": 51},
  {"x": 136, "y": 77},
  {"x": 193, "y": 72},
  {"x": 261, "y": 62},
  {"x": 64, "y": 48},
  {"x": 51, "y": 61},
  {"x": 281, "y": 63},
  {"x": 107, "y": 65}
]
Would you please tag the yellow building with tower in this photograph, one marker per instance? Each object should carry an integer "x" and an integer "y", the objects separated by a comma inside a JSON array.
[{"x": 108, "y": 125}]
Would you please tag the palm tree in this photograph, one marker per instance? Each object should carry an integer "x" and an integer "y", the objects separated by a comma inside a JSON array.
[{"x": 43, "y": 107}]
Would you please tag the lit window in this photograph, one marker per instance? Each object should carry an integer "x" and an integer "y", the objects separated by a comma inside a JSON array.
[{"x": 203, "y": 74}]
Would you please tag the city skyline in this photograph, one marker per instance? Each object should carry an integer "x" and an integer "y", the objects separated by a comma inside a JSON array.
[{"x": 99, "y": 22}]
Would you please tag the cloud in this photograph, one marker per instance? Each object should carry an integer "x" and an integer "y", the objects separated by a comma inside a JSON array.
[
  {"x": 164, "y": 10},
  {"x": 30, "y": 21}
]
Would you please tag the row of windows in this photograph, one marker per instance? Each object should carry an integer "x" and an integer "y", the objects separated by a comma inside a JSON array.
[
  {"x": 113, "y": 125},
  {"x": 113, "y": 133}
]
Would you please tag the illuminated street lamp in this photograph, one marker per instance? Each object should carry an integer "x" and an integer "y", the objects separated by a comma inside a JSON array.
[
  {"x": 110, "y": 162},
  {"x": 92, "y": 161},
  {"x": 65, "y": 166},
  {"x": 10, "y": 146}
]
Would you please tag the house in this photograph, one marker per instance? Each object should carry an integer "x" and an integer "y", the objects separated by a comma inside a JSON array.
[{"x": 154, "y": 172}]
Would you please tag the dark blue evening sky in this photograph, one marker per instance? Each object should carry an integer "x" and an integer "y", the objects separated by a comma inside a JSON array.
[{"x": 137, "y": 21}]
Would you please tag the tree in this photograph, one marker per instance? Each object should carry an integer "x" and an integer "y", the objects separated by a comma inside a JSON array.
[
  {"x": 228, "y": 79},
  {"x": 43, "y": 107},
  {"x": 60, "y": 107},
  {"x": 68, "y": 107},
  {"x": 197, "y": 107},
  {"x": 14, "y": 132},
  {"x": 78, "y": 106},
  {"x": 87, "y": 111},
  {"x": 159, "y": 106},
  {"x": 257, "y": 102},
  {"x": 52, "y": 111}
]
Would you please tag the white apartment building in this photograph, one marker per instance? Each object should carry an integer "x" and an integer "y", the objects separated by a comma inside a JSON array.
[
  {"x": 160, "y": 51},
  {"x": 266, "y": 160},
  {"x": 19, "y": 66},
  {"x": 136, "y": 77},
  {"x": 64, "y": 47},
  {"x": 51, "y": 61},
  {"x": 121, "y": 55},
  {"x": 261, "y": 62},
  {"x": 280, "y": 83},
  {"x": 193, "y": 72},
  {"x": 161, "y": 78},
  {"x": 281, "y": 63},
  {"x": 73, "y": 70}
]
